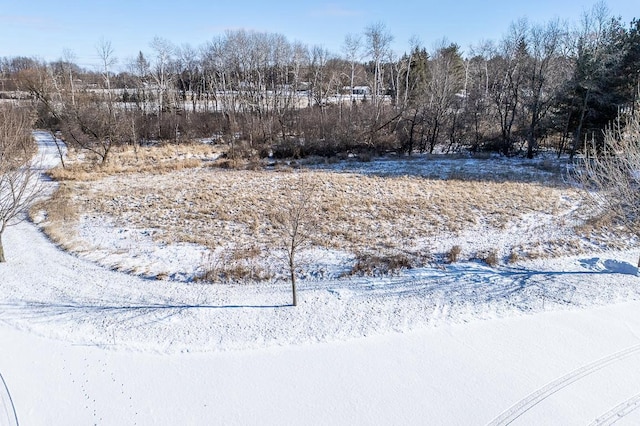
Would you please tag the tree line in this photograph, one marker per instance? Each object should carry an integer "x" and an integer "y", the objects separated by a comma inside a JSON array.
[{"x": 541, "y": 86}]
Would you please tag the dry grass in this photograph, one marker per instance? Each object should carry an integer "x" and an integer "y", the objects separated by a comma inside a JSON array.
[
  {"x": 172, "y": 189},
  {"x": 514, "y": 257},
  {"x": 490, "y": 257},
  {"x": 453, "y": 255},
  {"x": 144, "y": 159},
  {"x": 240, "y": 264},
  {"x": 367, "y": 264},
  {"x": 60, "y": 215},
  {"x": 597, "y": 222},
  {"x": 361, "y": 214}
]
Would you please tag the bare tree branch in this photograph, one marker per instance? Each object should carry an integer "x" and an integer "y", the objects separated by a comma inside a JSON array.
[
  {"x": 610, "y": 173},
  {"x": 296, "y": 218},
  {"x": 19, "y": 179}
]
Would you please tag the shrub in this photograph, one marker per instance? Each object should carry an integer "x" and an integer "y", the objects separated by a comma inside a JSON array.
[
  {"x": 454, "y": 254},
  {"x": 490, "y": 258},
  {"x": 367, "y": 264},
  {"x": 235, "y": 265}
]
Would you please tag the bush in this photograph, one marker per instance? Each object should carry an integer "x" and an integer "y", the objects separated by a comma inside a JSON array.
[
  {"x": 367, "y": 264},
  {"x": 490, "y": 258},
  {"x": 454, "y": 254},
  {"x": 513, "y": 257},
  {"x": 235, "y": 265}
]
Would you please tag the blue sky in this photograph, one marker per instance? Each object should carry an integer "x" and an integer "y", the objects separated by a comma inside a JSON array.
[{"x": 44, "y": 29}]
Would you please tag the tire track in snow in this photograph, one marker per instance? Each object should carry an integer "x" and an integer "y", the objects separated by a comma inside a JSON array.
[
  {"x": 8, "y": 415},
  {"x": 618, "y": 412},
  {"x": 533, "y": 399}
]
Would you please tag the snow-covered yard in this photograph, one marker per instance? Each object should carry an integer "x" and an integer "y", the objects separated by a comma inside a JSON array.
[{"x": 544, "y": 341}]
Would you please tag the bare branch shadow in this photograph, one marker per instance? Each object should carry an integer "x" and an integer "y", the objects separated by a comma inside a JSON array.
[{"x": 477, "y": 283}]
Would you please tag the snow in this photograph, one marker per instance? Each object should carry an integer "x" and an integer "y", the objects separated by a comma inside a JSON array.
[
  {"x": 481, "y": 167},
  {"x": 545, "y": 341},
  {"x": 135, "y": 251},
  {"x": 453, "y": 374}
]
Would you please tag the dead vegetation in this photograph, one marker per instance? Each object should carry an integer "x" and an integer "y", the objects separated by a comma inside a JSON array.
[
  {"x": 153, "y": 159},
  {"x": 377, "y": 265},
  {"x": 387, "y": 222},
  {"x": 490, "y": 257},
  {"x": 239, "y": 264},
  {"x": 453, "y": 255},
  {"x": 357, "y": 213},
  {"x": 58, "y": 215}
]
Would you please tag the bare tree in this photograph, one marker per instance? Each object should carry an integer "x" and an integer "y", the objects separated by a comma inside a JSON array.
[
  {"x": 319, "y": 82},
  {"x": 611, "y": 173},
  {"x": 352, "y": 46},
  {"x": 447, "y": 80},
  {"x": 590, "y": 60},
  {"x": 296, "y": 219},
  {"x": 96, "y": 127},
  {"x": 162, "y": 74},
  {"x": 507, "y": 79},
  {"x": 92, "y": 121},
  {"x": 379, "y": 47},
  {"x": 187, "y": 63},
  {"x": 19, "y": 183},
  {"x": 140, "y": 70},
  {"x": 544, "y": 77},
  {"x": 107, "y": 61},
  {"x": 68, "y": 66}
]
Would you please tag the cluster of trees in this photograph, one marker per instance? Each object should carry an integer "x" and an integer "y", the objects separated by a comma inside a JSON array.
[{"x": 541, "y": 85}]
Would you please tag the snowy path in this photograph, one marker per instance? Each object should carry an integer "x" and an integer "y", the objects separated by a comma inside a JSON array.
[
  {"x": 80, "y": 344},
  {"x": 543, "y": 393}
]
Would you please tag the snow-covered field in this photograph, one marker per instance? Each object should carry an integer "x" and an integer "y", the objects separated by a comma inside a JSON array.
[{"x": 549, "y": 341}]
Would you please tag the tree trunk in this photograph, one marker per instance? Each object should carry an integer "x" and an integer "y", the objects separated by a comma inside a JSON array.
[
  {"x": 293, "y": 289},
  {"x": 292, "y": 271},
  {"x": 577, "y": 139},
  {"x": 411, "y": 132},
  {"x": 531, "y": 142},
  {"x": 2, "y": 259}
]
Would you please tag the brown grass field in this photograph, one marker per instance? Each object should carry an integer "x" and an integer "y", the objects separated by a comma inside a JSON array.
[{"x": 181, "y": 194}]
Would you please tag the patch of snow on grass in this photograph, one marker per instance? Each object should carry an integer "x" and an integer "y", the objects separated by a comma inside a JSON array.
[
  {"x": 457, "y": 166},
  {"x": 136, "y": 251}
]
